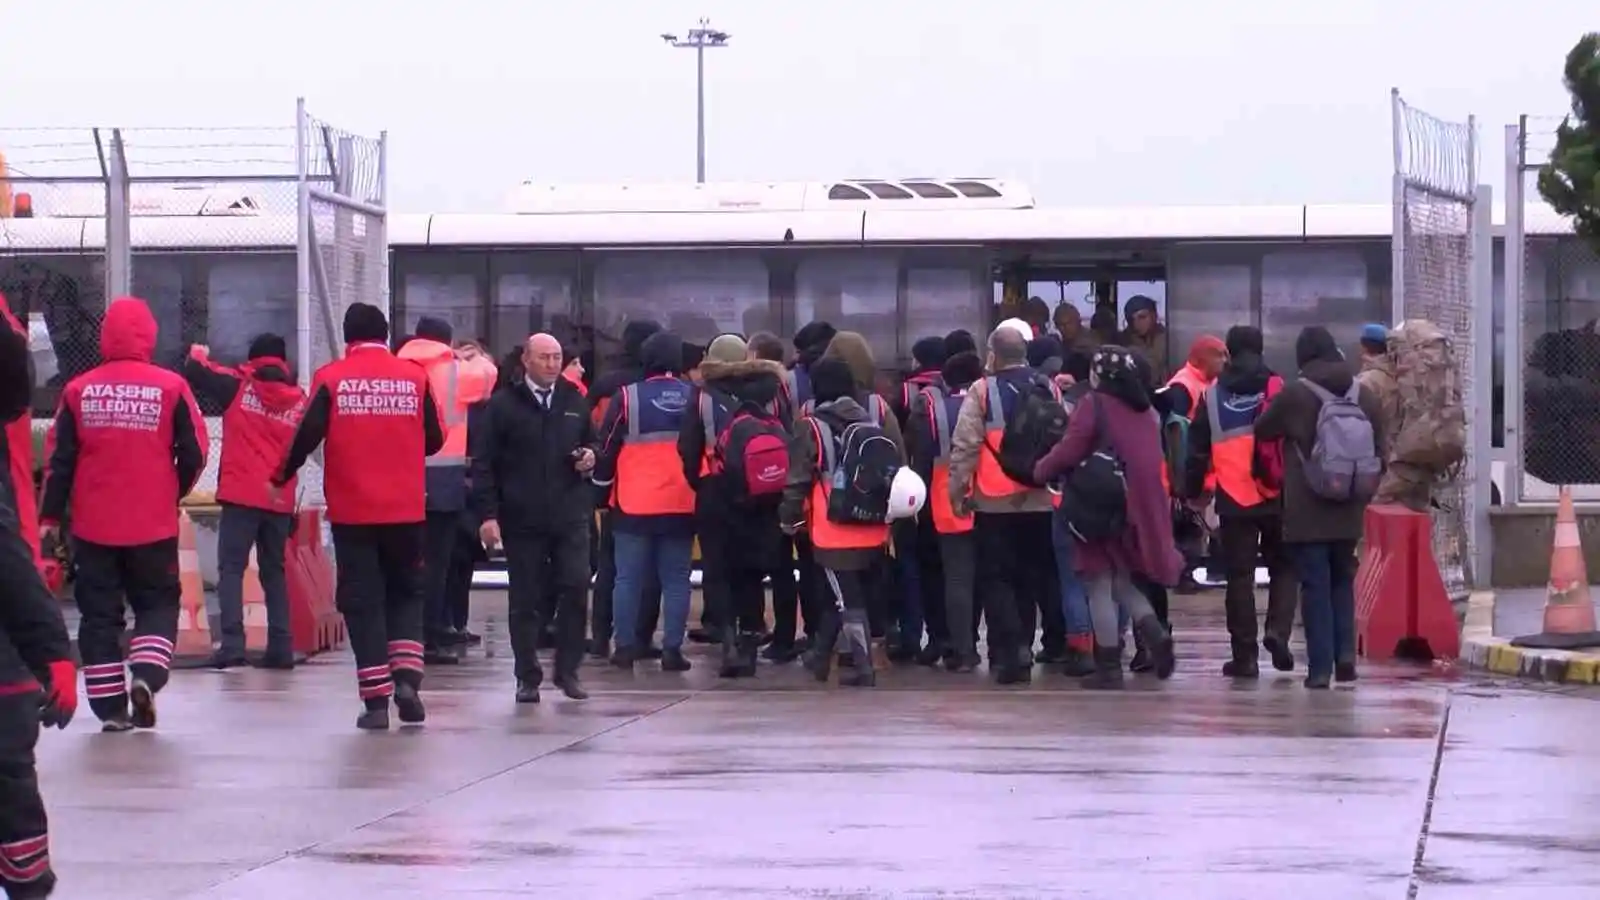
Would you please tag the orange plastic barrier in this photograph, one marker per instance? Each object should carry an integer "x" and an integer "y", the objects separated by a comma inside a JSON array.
[
  {"x": 194, "y": 632},
  {"x": 1569, "y": 616},
  {"x": 1401, "y": 605},
  {"x": 315, "y": 623}
]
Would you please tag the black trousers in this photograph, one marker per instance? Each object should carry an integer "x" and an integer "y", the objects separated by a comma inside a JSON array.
[
  {"x": 24, "y": 829},
  {"x": 242, "y": 529},
  {"x": 378, "y": 588},
  {"x": 605, "y": 581},
  {"x": 548, "y": 569},
  {"x": 731, "y": 588},
  {"x": 930, "y": 566},
  {"x": 147, "y": 575},
  {"x": 1017, "y": 582},
  {"x": 441, "y": 544},
  {"x": 458, "y": 587},
  {"x": 1241, "y": 538},
  {"x": 787, "y": 606}
]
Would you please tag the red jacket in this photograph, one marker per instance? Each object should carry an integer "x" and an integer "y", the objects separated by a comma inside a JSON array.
[
  {"x": 380, "y": 423},
  {"x": 263, "y": 406},
  {"x": 19, "y": 452},
  {"x": 130, "y": 441}
]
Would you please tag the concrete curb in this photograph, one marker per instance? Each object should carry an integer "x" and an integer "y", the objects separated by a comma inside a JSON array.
[{"x": 1481, "y": 650}]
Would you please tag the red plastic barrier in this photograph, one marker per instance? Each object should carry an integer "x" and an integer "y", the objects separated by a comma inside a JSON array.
[
  {"x": 313, "y": 619},
  {"x": 1401, "y": 604}
]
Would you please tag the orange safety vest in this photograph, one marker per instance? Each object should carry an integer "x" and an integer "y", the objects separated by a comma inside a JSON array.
[
  {"x": 1194, "y": 384},
  {"x": 456, "y": 385},
  {"x": 1233, "y": 445},
  {"x": 650, "y": 478},
  {"x": 991, "y": 480},
  {"x": 826, "y": 535},
  {"x": 940, "y": 415}
]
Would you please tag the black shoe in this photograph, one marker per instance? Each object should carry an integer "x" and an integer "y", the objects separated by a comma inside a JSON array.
[
  {"x": 527, "y": 692},
  {"x": 780, "y": 652},
  {"x": 902, "y": 655},
  {"x": 408, "y": 702},
  {"x": 227, "y": 659},
  {"x": 749, "y": 648},
  {"x": 1241, "y": 668},
  {"x": 117, "y": 723},
  {"x": 673, "y": 660},
  {"x": 471, "y": 638},
  {"x": 857, "y": 639},
  {"x": 1282, "y": 659},
  {"x": 1078, "y": 663},
  {"x": 729, "y": 666},
  {"x": 37, "y": 889},
  {"x": 623, "y": 658},
  {"x": 599, "y": 649},
  {"x": 962, "y": 665},
  {"x": 373, "y": 720},
  {"x": 1317, "y": 681},
  {"x": 1012, "y": 674},
  {"x": 1344, "y": 672},
  {"x": 277, "y": 660},
  {"x": 571, "y": 688},
  {"x": 931, "y": 654},
  {"x": 1141, "y": 661},
  {"x": 1050, "y": 657},
  {"x": 143, "y": 701},
  {"x": 1107, "y": 674},
  {"x": 442, "y": 655},
  {"x": 1158, "y": 645},
  {"x": 819, "y": 657},
  {"x": 648, "y": 650},
  {"x": 704, "y": 636}
]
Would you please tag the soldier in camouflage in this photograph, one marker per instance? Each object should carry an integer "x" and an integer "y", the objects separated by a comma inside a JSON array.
[{"x": 1418, "y": 383}]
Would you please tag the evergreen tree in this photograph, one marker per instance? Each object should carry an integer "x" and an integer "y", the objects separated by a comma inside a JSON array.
[{"x": 1570, "y": 181}]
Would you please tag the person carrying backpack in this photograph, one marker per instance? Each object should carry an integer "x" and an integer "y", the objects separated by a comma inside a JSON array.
[
  {"x": 1333, "y": 447},
  {"x": 1425, "y": 428},
  {"x": 841, "y": 464},
  {"x": 1228, "y": 467},
  {"x": 734, "y": 453}
]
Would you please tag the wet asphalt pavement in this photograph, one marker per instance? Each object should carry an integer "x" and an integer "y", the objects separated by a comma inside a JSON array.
[{"x": 256, "y": 785}]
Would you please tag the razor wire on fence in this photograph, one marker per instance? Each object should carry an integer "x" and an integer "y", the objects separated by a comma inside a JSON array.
[
  {"x": 1554, "y": 299},
  {"x": 1435, "y": 190}
]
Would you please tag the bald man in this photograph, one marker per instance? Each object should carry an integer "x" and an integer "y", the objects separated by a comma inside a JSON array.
[{"x": 532, "y": 452}]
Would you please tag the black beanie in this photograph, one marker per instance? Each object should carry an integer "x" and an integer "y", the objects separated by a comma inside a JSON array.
[
  {"x": 267, "y": 346},
  {"x": 365, "y": 322},
  {"x": 928, "y": 352},
  {"x": 831, "y": 379},
  {"x": 960, "y": 341},
  {"x": 433, "y": 329},
  {"x": 1043, "y": 348},
  {"x": 1243, "y": 339},
  {"x": 962, "y": 369}
]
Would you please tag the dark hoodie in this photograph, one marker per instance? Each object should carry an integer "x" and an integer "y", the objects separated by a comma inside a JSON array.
[
  {"x": 809, "y": 343},
  {"x": 1292, "y": 415},
  {"x": 661, "y": 356},
  {"x": 256, "y": 432},
  {"x": 929, "y": 355},
  {"x": 129, "y": 440},
  {"x": 1245, "y": 375},
  {"x": 630, "y": 369},
  {"x": 838, "y": 414}
]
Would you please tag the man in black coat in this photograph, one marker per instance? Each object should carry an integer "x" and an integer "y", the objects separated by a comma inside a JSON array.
[{"x": 530, "y": 462}]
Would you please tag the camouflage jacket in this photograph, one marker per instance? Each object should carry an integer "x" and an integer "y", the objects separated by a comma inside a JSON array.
[{"x": 1377, "y": 375}]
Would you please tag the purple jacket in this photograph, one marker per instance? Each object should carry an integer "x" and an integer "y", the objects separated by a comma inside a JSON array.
[{"x": 1147, "y": 547}]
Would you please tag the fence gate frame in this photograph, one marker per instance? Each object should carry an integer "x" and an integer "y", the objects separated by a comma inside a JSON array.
[{"x": 1428, "y": 161}]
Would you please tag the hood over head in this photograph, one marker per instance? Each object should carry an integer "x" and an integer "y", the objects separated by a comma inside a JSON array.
[
  {"x": 832, "y": 379},
  {"x": 634, "y": 334},
  {"x": 811, "y": 340},
  {"x": 960, "y": 341},
  {"x": 751, "y": 380},
  {"x": 1043, "y": 348},
  {"x": 1321, "y": 360},
  {"x": 662, "y": 354},
  {"x": 961, "y": 370},
  {"x": 928, "y": 352},
  {"x": 273, "y": 383},
  {"x": 856, "y": 353},
  {"x": 128, "y": 332}
]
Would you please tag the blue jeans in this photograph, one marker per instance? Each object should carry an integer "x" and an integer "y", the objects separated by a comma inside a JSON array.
[
  {"x": 1074, "y": 595},
  {"x": 1327, "y": 573},
  {"x": 635, "y": 556}
]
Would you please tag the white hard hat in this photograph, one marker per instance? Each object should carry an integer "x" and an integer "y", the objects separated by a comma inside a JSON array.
[
  {"x": 1019, "y": 326},
  {"x": 906, "y": 494}
]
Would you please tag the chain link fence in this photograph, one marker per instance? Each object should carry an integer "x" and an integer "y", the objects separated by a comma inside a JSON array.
[
  {"x": 1435, "y": 247},
  {"x": 1553, "y": 297}
]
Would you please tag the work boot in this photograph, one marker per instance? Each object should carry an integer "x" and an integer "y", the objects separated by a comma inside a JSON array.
[
  {"x": 570, "y": 687},
  {"x": 1078, "y": 662},
  {"x": 1049, "y": 656},
  {"x": 962, "y": 664},
  {"x": 1278, "y": 649},
  {"x": 143, "y": 701},
  {"x": 1015, "y": 667},
  {"x": 374, "y": 719},
  {"x": 116, "y": 723},
  {"x": 859, "y": 643},
  {"x": 527, "y": 692},
  {"x": 932, "y": 654},
  {"x": 228, "y": 659},
  {"x": 1344, "y": 672},
  {"x": 471, "y": 638},
  {"x": 749, "y": 648},
  {"x": 1242, "y": 667},
  {"x": 730, "y": 667},
  {"x": 1107, "y": 675},
  {"x": 1158, "y": 646},
  {"x": 37, "y": 889},
  {"x": 1317, "y": 681},
  {"x": 623, "y": 658},
  {"x": 781, "y": 652},
  {"x": 276, "y": 658},
  {"x": 442, "y": 654},
  {"x": 673, "y": 660},
  {"x": 408, "y": 702},
  {"x": 818, "y": 660},
  {"x": 648, "y": 650}
]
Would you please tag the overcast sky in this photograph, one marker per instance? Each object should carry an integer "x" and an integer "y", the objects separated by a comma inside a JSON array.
[{"x": 1128, "y": 102}]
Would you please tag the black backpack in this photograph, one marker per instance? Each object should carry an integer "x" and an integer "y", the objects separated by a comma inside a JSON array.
[
  {"x": 1094, "y": 496},
  {"x": 1035, "y": 425},
  {"x": 753, "y": 452},
  {"x": 860, "y": 464}
]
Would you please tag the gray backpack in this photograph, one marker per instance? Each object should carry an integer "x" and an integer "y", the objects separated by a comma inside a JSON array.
[{"x": 1343, "y": 465}]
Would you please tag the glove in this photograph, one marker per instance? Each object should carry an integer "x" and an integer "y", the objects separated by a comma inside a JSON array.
[{"x": 61, "y": 695}]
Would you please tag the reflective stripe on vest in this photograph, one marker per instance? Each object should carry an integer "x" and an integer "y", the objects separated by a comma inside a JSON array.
[
  {"x": 708, "y": 425},
  {"x": 945, "y": 520},
  {"x": 1233, "y": 452},
  {"x": 826, "y": 535},
  {"x": 444, "y": 382},
  {"x": 649, "y": 480}
]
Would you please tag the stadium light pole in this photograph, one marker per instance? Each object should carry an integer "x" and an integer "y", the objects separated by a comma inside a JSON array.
[{"x": 700, "y": 38}]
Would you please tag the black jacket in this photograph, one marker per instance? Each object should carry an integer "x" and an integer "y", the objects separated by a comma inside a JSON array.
[
  {"x": 631, "y": 369},
  {"x": 750, "y": 535},
  {"x": 1244, "y": 374},
  {"x": 523, "y": 459}
]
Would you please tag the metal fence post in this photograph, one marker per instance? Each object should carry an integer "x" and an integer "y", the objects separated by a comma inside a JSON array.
[
  {"x": 1480, "y": 540},
  {"x": 119, "y": 222},
  {"x": 1397, "y": 186},
  {"x": 303, "y": 247},
  {"x": 1512, "y": 492}
]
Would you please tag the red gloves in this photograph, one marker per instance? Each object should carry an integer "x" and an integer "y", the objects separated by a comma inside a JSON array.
[{"x": 61, "y": 694}]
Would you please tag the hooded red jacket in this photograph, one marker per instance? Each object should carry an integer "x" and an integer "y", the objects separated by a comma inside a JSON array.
[
  {"x": 19, "y": 453},
  {"x": 263, "y": 406},
  {"x": 129, "y": 440}
]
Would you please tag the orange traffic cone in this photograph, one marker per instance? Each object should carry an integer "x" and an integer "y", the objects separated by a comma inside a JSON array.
[
  {"x": 1569, "y": 617},
  {"x": 194, "y": 632}
]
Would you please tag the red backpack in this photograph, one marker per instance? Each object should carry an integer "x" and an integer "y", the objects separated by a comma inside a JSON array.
[
  {"x": 1267, "y": 465},
  {"x": 753, "y": 454}
]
